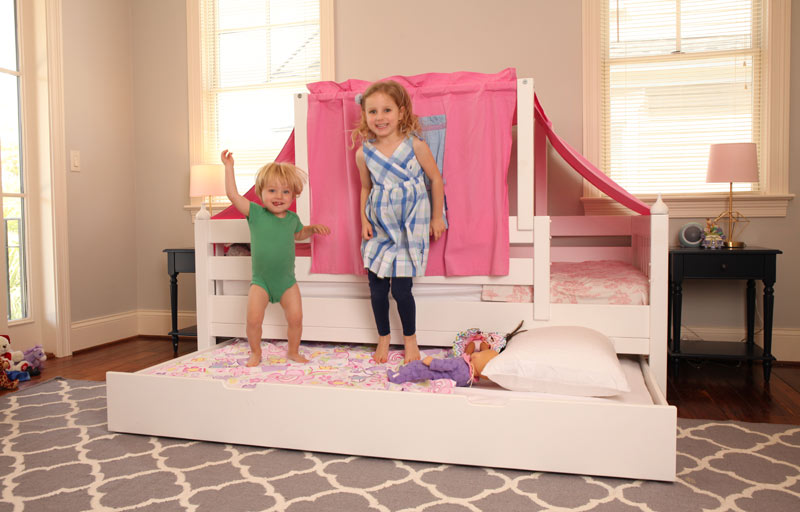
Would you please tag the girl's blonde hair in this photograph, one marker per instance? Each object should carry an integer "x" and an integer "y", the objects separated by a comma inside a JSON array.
[
  {"x": 282, "y": 173},
  {"x": 408, "y": 121}
]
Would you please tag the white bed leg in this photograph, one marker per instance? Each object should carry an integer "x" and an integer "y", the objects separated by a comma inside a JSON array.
[{"x": 204, "y": 286}]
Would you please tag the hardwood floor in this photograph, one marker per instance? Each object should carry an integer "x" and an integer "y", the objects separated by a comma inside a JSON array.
[
  {"x": 700, "y": 389},
  {"x": 720, "y": 390}
]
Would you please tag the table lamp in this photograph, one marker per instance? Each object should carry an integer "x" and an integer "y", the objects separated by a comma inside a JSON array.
[
  {"x": 732, "y": 163},
  {"x": 206, "y": 180}
]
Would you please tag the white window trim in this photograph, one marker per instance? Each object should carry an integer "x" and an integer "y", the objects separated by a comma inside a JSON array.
[
  {"x": 774, "y": 197},
  {"x": 194, "y": 65}
]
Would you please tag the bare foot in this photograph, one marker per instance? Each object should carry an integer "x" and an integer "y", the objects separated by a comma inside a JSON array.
[
  {"x": 254, "y": 359},
  {"x": 412, "y": 350},
  {"x": 381, "y": 354},
  {"x": 296, "y": 357}
]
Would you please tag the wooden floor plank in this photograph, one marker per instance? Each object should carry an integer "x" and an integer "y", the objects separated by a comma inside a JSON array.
[{"x": 699, "y": 389}]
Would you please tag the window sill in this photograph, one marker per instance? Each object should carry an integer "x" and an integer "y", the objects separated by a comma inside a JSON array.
[{"x": 710, "y": 205}]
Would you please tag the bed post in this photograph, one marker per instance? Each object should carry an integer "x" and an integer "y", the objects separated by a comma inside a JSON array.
[
  {"x": 541, "y": 267},
  {"x": 203, "y": 286},
  {"x": 303, "y": 202},
  {"x": 659, "y": 286},
  {"x": 525, "y": 154}
]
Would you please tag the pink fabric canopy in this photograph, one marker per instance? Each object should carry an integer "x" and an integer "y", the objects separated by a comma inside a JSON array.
[
  {"x": 480, "y": 111},
  {"x": 586, "y": 169}
]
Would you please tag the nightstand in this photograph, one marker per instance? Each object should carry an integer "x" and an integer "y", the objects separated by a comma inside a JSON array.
[
  {"x": 178, "y": 260},
  {"x": 748, "y": 263}
]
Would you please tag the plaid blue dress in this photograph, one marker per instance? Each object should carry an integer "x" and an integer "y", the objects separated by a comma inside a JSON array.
[{"x": 400, "y": 213}]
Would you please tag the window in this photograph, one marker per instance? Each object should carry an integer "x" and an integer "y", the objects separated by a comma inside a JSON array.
[
  {"x": 672, "y": 77},
  {"x": 255, "y": 54},
  {"x": 12, "y": 184}
]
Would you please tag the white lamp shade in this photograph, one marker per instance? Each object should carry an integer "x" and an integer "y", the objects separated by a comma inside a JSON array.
[
  {"x": 207, "y": 180},
  {"x": 732, "y": 163}
]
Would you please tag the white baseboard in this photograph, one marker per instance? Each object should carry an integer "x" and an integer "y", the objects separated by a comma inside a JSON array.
[
  {"x": 785, "y": 342},
  {"x": 97, "y": 331},
  {"x": 100, "y": 330},
  {"x": 153, "y": 322}
]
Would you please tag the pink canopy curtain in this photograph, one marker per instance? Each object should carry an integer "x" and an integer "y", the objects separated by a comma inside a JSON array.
[
  {"x": 480, "y": 112},
  {"x": 578, "y": 162}
]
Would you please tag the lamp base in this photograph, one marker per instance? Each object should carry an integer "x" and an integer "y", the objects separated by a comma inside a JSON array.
[{"x": 733, "y": 244}]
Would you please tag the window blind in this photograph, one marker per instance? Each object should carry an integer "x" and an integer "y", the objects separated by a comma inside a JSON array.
[
  {"x": 256, "y": 55},
  {"x": 676, "y": 77}
]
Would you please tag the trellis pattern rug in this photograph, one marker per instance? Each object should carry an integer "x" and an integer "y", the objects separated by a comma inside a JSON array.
[{"x": 58, "y": 455}]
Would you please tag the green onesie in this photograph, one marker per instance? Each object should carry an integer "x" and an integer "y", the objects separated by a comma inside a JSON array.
[{"x": 272, "y": 249}]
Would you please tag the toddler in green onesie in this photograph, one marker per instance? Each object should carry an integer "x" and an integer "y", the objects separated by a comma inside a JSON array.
[
  {"x": 272, "y": 249},
  {"x": 273, "y": 231}
]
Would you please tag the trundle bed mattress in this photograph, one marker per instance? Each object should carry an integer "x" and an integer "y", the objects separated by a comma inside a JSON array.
[{"x": 631, "y": 435}]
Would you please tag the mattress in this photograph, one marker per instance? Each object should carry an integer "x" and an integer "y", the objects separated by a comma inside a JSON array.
[{"x": 350, "y": 366}]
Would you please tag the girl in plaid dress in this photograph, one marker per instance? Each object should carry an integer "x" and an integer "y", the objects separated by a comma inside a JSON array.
[{"x": 396, "y": 218}]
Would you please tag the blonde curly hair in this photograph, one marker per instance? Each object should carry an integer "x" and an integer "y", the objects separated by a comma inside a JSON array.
[
  {"x": 408, "y": 121},
  {"x": 283, "y": 173}
]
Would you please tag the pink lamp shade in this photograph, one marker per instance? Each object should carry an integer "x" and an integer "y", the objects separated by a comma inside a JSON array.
[
  {"x": 207, "y": 180},
  {"x": 732, "y": 163}
]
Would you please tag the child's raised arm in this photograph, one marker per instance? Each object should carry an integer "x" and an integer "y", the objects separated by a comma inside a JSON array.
[
  {"x": 366, "y": 186},
  {"x": 237, "y": 200},
  {"x": 428, "y": 164}
]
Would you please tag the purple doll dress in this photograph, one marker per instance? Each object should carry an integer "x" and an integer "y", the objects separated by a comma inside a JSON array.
[{"x": 456, "y": 368}]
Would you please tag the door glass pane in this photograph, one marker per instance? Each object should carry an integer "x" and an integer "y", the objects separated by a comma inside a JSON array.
[
  {"x": 13, "y": 217},
  {"x": 8, "y": 35},
  {"x": 9, "y": 134}
]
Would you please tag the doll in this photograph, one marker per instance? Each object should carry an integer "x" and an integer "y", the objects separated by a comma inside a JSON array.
[
  {"x": 475, "y": 337},
  {"x": 464, "y": 370}
]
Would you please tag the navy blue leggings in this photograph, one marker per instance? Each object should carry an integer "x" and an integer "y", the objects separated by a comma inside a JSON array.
[{"x": 406, "y": 307}]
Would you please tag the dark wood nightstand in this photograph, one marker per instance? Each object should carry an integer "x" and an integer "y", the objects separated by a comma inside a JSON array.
[
  {"x": 178, "y": 260},
  {"x": 748, "y": 263}
]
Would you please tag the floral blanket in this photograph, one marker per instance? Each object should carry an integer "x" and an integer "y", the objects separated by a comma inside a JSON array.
[
  {"x": 329, "y": 365},
  {"x": 586, "y": 282}
]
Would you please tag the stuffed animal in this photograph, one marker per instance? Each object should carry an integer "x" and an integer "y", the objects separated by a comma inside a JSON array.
[
  {"x": 35, "y": 357},
  {"x": 5, "y": 382},
  {"x": 464, "y": 370},
  {"x": 15, "y": 357}
]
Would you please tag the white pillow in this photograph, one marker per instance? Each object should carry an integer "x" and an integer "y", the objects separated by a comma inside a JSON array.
[{"x": 568, "y": 360}]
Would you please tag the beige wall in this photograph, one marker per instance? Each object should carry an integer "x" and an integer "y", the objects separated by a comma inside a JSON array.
[
  {"x": 162, "y": 148},
  {"x": 145, "y": 161},
  {"x": 99, "y": 122}
]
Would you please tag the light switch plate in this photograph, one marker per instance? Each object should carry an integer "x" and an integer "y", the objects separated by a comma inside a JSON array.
[{"x": 74, "y": 160}]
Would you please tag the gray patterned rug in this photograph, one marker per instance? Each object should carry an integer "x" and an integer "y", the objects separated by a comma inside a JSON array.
[{"x": 58, "y": 456}]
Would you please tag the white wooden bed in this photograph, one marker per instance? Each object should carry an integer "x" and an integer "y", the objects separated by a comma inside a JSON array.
[{"x": 597, "y": 437}]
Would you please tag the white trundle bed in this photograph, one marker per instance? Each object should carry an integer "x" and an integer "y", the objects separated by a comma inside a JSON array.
[{"x": 632, "y": 435}]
